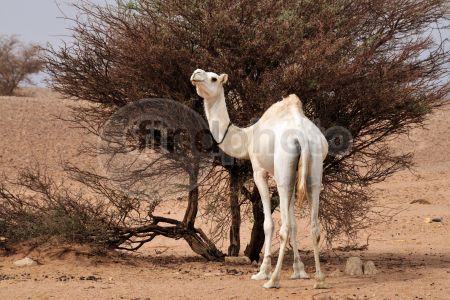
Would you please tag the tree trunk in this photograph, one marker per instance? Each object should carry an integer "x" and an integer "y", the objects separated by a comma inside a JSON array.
[
  {"x": 257, "y": 237},
  {"x": 191, "y": 211},
  {"x": 196, "y": 239},
  {"x": 201, "y": 245},
  {"x": 235, "y": 244}
]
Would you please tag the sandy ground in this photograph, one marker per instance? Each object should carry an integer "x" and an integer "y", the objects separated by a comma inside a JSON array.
[{"x": 413, "y": 257}]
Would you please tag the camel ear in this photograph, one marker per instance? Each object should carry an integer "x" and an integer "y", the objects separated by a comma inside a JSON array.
[{"x": 223, "y": 78}]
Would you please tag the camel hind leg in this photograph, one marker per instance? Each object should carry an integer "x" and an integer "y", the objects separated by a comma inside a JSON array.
[
  {"x": 314, "y": 183},
  {"x": 285, "y": 179},
  {"x": 298, "y": 266}
]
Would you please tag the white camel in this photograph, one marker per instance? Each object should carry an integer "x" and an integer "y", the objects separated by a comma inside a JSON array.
[{"x": 283, "y": 143}]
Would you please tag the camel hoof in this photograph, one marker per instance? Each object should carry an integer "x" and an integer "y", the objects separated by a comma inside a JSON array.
[
  {"x": 271, "y": 285},
  {"x": 300, "y": 275},
  {"x": 261, "y": 276},
  {"x": 321, "y": 285}
]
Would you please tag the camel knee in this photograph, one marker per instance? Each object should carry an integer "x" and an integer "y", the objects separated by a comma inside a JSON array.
[
  {"x": 293, "y": 227},
  {"x": 268, "y": 226},
  {"x": 284, "y": 232},
  {"x": 315, "y": 231}
]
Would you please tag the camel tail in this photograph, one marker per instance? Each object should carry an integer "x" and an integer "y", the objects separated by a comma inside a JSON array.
[{"x": 302, "y": 170}]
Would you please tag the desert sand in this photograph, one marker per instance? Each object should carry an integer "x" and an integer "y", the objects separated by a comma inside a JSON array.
[{"x": 412, "y": 257}]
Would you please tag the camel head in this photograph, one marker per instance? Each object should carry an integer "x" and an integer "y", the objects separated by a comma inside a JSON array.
[{"x": 209, "y": 85}]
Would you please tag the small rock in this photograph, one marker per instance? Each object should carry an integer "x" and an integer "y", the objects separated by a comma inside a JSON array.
[
  {"x": 419, "y": 201},
  {"x": 26, "y": 262},
  {"x": 212, "y": 274},
  {"x": 369, "y": 268},
  {"x": 322, "y": 297},
  {"x": 354, "y": 266},
  {"x": 336, "y": 273},
  {"x": 234, "y": 272},
  {"x": 433, "y": 220},
  {"x": 243, "y": 260},
  {"x": 7, "y": 277}
]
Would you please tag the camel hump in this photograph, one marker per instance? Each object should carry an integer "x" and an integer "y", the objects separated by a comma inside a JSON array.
[
  {"x": 293, "y": 99},
  {"x": 289, "y": 104}
]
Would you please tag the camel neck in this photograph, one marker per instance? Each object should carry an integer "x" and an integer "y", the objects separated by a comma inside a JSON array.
[{"x": 219, "y": 121}]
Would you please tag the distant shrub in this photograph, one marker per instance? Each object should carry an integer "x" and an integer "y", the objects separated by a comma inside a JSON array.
[{"x": 17, "y": 62}]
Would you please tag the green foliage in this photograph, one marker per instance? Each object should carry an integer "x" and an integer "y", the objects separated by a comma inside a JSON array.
[{"x": 127, "y": 5}]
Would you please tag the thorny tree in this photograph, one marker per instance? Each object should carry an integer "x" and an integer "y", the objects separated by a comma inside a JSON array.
[{"x": 371, "y": 67}]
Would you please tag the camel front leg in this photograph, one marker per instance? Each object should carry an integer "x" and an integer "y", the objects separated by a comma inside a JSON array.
[{"x": 260, "y": 177}]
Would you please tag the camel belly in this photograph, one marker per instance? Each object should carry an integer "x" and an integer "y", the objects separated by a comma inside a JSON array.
[{"x": 267, "y": 143}]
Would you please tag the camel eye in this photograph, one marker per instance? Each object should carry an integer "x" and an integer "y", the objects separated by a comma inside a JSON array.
[{"x": 214, "y": 79}]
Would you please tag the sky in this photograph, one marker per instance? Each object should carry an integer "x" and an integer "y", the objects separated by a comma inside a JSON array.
[
  {"x": 42, "y": 21},
  {"x": 39, "y": 21}
]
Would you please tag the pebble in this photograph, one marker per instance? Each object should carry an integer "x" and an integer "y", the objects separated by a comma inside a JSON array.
[
  {"x": 433, "y": 220},
  {"x": 354, "y": 266},
  {"x": 419, "y": 201},
  {"x": 369, "y": 268},
  {"x": 237, "y": 260},
  {"x": 336, "y": 273},
  {"x": 26, "y": 262}
]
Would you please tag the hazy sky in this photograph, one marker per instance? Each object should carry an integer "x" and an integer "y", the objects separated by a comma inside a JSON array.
[
  {"x": 41, "y": 21},
  {"x": 38, "y": 21}
]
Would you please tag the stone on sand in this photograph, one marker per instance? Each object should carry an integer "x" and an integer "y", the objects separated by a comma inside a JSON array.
[
  {"x": 354, "y": 266},
  {"x": 433, "y": 220},
  {"x": 322, "y": 297},
  {"x": 420, "y": 201},
  {"x": 336, "y": 273},
  {"x": 243, "y": 260},
  {"x": 25, "y": 262},
  {"x": 369, "y": 268}
]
